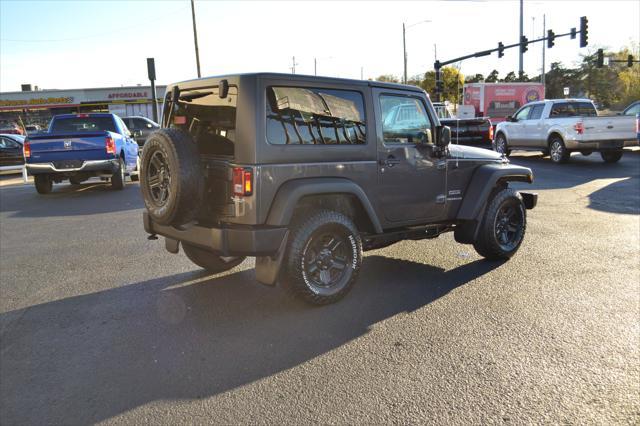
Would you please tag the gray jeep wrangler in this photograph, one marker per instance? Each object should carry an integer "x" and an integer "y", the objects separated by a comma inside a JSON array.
[{"x": 305, "y": 173}]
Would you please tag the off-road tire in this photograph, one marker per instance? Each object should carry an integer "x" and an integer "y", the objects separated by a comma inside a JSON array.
[
  {"x": 308, "y": 230},
  {"x": 117, "y": 179},
  {"x": 501, "y": 145},
  {"x": 43, "y": 183},
  {"x": 183, "y": 180},
  {"x": 209, "y": 260},
  {"x": 487, "y": 243},
  {"x": 557, "y": 151},
  {"x": 611, "y": 156}
]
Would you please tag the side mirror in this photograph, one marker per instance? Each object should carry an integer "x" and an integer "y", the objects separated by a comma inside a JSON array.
[
  {"x": 444, "y": 136},
  {"x": 509, "y": 118}
]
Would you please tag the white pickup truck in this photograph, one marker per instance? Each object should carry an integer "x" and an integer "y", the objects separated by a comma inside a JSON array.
[{"x": 558, "y": 127}]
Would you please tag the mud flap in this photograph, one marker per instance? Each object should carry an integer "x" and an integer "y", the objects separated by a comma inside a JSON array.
[
  {"x": 171, "y": 245},
  {"x": 268, "y": 267}
]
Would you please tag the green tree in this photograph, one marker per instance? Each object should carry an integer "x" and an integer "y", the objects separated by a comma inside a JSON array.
[
  {"x": 509, "y": 77},
  {"x": 492, "y": 77},
  {"x": 453, "y": 83},
  {"x": 389, "y": 78},
  {"x": 478, "y": 78}
]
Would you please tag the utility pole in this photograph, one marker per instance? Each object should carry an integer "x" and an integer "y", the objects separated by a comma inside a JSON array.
[
  {"x": 315, "y": 65},
  {"x": 195, "y": 37},
  {"x": 544, "y": 49},
  {"x": 293, "y": 68},
  {"x": 361, "y": 73},
  {"x": 404, "y": 51},
  {"x": 520, "y": 64}
]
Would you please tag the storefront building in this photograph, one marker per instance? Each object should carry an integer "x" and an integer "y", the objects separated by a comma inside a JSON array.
[{"x": 37, "y": 107}]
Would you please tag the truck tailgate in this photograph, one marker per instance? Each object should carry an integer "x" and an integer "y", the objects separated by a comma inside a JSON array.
[
  {"x": 617, "y": 128},
  {"x": 66, "y": 146}
]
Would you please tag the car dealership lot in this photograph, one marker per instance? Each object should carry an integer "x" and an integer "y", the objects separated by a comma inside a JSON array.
[{"x": 98, "y": 323}]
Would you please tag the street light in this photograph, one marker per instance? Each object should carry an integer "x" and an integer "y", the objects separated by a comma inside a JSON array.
[{"x": 404, "y": 44}]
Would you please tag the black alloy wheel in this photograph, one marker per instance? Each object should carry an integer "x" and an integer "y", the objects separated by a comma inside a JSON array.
[
  {"x": 509, "y": 226},
  {"x": 158, "y": 176},
  {"x": 325, "y": 257}
]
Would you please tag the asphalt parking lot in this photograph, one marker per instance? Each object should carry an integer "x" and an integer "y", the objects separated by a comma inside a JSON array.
[{"x": 99, "y": 324}]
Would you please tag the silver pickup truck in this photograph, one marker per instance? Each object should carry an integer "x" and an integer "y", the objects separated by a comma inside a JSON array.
[{"x": 558, "y": 127}]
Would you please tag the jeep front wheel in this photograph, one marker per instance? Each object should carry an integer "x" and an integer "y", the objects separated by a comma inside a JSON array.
[
  {"x": 503, "y": 226},
  {"x": 209, "y": 260},
  {"x": 324, "y": 255}
]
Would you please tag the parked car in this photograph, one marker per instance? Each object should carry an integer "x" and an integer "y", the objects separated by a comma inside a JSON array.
[
  {"x": 141, "y": 127},
  {"x": 558, "y": 127},
  {"x": 10, "y": 128},
  {"x": 80, "y": 146},
  {"x": 11, "y": 158},
  {"x": 467, "y": 131},
  {"x": 306, "y": 172},
  {"x": 32, "y": 128}
]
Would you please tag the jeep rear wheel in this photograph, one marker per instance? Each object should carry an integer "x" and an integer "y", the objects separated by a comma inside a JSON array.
[
  {"x": 170, "y": 179},
  {"x": 503, "y": 226},
  {"x": 323, "y": 258},
  {"x": 209, "y": 260}
]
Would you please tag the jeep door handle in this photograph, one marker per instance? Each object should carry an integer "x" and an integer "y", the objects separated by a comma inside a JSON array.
[{"x": 389, "y": 162}]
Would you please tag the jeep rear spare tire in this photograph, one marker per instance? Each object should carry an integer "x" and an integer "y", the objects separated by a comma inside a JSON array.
[{"x": 170, "y": 179}]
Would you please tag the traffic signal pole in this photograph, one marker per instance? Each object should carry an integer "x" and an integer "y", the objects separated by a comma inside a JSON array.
[{"x": 524, "y": 42}]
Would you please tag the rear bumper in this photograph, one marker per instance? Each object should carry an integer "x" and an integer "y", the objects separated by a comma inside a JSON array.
[
  {"x": 226, "y": 241},
  {"x": 108, "y": 166},
  {"x": 598, "y": 145}
]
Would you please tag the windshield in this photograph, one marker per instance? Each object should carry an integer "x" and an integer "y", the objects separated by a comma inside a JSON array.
[{"x": 83, "y": 124}]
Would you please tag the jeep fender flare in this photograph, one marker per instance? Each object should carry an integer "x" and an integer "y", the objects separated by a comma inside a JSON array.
[
  {"x": 287, "y": 197},
  {"x": 483, "y": 182}
]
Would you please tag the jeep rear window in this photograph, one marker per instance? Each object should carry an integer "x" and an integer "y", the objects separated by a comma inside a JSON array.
[
  {"x": 310, "y": 116},
  {"x": 210, "y": 119}
]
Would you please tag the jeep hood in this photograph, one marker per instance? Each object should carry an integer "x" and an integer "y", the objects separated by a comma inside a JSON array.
[{"x": 470, "y": 152}]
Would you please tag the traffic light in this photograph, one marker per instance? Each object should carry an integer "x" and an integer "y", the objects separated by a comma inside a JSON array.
[
  {"x": 524, "y": 41},
  {"x": 500, "y": 50},
  {"x": 600, "y": 58},
  {"x": 630, "y": 60},
  {"x": 584, "y": 31},
  {"x": 551, "y": 36}
]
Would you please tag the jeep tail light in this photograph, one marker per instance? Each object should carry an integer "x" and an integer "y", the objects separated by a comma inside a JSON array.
[
  {"x": 490, "y": 132},
  {"x": 242, "y": 181},
  {"x": 579, "y": 127},
  {"x": 26, "y": 148},
  {"x": 110, "y": 145}
]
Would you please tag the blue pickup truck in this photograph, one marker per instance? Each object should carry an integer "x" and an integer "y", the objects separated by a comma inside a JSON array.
[{"x": 80, "y": 146}]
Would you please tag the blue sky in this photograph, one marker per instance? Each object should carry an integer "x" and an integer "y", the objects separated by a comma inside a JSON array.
[{"x": 72, "y": 44}]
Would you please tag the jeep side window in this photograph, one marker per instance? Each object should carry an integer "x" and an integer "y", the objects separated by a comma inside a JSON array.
[
  {"x": 310, "y": 116},
  {"x": 404, "y": 119}
]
